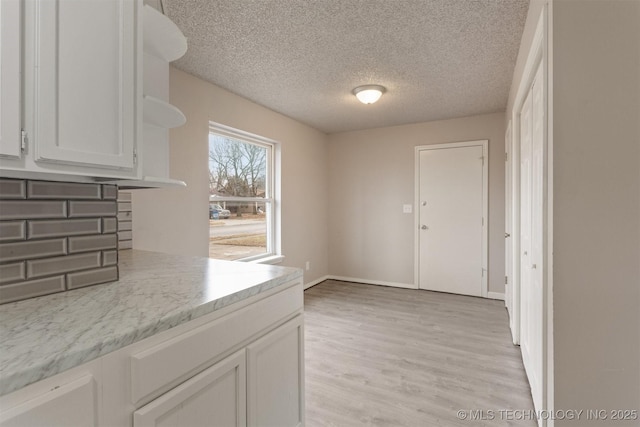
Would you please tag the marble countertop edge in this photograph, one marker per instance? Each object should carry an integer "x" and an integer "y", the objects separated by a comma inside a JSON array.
[{"x": 31, "y": 372}]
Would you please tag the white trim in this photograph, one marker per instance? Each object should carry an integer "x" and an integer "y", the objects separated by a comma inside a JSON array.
[
  {"x": 273, "y": 259},
  {"x": 273, "y": 253},
  {"x": 547, "y": 358},
  {"x": 373, "y": 282},
  {"x": 495, "y": 295},
  {"x": 315, "y": 282},
  {"x": 485, "y": 207},
  {"x": 538, "y": 53}
]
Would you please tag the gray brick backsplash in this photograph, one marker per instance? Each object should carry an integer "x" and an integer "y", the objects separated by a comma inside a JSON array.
[
  {"x": 35, "y": 249},
  {"x": 125, "y": 244},
  {"x": 124, "y": 196},
  {"x": 12, "y": 230},
  {"x": 92, "y": 243},
  {"x": 109, "y": 225},
  {"x": 125, "y": 235},
  {"x": 26, "y": 209},
  {"x": 43, "y": 229},
  {"x": 124, "y": 206},
  {"x": 31, "y": 288},
  {"x": 62, "y": 190},
  {"x": 79, "y": 208},
  {"x": 13, "y": 189},
  {"x": 91, "y": 277},
  {"x": 13, "y": 272},
  {"x": 125, "y": 225},
  {"x": 109, "y": 192},
  {"x": 57, "y": 265},
  {"x": 125, "y": 220},
  {"x": 125, "y": 216},
  {"x": 56, "y": 236},
  {"x": 109, "y": 258}
]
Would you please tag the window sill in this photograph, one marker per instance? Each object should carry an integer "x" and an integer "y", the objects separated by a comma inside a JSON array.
[{"x": 271, "y": 259}]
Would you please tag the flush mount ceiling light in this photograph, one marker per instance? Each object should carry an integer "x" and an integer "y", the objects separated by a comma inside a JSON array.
[{"x": 368, "y": 94}]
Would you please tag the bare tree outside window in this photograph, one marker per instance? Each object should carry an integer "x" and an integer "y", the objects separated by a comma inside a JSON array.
[
  {"x": 239, "y": 199},
  {"x": 236, "y": 168}
]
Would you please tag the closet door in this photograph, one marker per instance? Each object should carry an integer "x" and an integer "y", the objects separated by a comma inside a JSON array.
[{"x": 531, "y": 234}]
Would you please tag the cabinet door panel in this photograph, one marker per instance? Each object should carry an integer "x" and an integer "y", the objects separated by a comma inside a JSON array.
[
  {"x": 215, "y": 397},
  {"x": 10, "y": 78},
  {"x": 72, "y": 404},
  {"x": 275, "y": 377},
  {"x": 85, "y": 86}
]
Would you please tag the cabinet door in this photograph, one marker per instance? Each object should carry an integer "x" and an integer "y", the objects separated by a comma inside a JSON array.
[
  {"x": 215, "y": 397},
  {"x": 275, "y": 377},
  {"x": 10, "y": 36},
  {"x": 72, "y": 404},
  {"x": 84, "y": 81}
]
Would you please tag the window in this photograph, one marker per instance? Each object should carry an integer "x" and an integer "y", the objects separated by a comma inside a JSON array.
[{"x": 242, "y": 196}]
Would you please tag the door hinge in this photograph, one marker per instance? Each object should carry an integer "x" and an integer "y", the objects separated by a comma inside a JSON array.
[
  {"x": 482, "y": 160},
  {"x": 506, "y": 280},
  {"x": 506, "y": 157},
  {"x": 483, "y": 221},
  {"x": 23, "y": 141},
  {"x": 135, "y": 156}
]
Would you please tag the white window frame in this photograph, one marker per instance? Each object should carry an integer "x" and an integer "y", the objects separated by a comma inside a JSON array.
[{"x": 273, "y": 254}]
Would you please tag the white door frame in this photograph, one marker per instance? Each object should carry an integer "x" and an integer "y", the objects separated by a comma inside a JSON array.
[
  {"x": 508, "y": 225},
  {"x": 484, "y": 143},
  {"x": 538, "y": 54}
]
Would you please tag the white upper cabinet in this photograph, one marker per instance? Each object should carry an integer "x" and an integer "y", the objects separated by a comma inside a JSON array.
[
  {"x": 10, "y": 105},
  {"x": 84, "y": 98}
]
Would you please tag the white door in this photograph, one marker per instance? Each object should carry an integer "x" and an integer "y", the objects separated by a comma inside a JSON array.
[
  {"x": 531, "y": 235},
  {"x": 452, "y": 201},
  {"x": 508, "y": 261},
  {"x": 82, "y": 69},
  {"x": 10, "y": 84},
  {"x": 214, "y": 397}
]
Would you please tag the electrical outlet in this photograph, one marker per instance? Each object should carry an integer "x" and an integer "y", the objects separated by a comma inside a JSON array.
[
  {"x": 308, "y": 265},
  {"x": 407, "y": 209}
]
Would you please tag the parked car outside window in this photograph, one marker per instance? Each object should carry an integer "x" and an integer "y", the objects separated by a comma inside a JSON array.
[{"x": 217, "y": 212}]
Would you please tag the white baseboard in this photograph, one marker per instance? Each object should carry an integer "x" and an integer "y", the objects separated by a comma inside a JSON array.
[
  {"x": 373, "y": 282},
  {"x": 490, "y": 295},
  {"x": 315, "y": 282},
  {"x": 496, "y": 295}
]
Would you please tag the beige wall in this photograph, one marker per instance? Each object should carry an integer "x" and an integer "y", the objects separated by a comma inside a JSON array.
[
  {"x": 176, "y": 220},
  {"x": 371, "y": 175},
  {"x": 596, "y": 167}
]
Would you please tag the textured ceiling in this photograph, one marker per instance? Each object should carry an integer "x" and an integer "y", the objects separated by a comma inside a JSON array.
[{"x": 438, "y": 59}]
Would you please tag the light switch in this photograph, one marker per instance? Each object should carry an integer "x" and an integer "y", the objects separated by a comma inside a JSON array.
[{"x": 407, "y": 208}]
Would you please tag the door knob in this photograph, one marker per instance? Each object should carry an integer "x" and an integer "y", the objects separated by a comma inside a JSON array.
[{"x": 424, "y": 227}]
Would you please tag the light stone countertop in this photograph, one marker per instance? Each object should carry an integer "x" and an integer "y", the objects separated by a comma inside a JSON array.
[{"x": 43, "y": 336}]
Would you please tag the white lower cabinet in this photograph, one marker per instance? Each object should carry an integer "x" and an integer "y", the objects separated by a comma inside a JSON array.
[
  {"x": 275, "y": 379},
  {"x": 242, "y": 365},
  {"x": 68, "y": 399},
  {"x": 214, "y": 397}
]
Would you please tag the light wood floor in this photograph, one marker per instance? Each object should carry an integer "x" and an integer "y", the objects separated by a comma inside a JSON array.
[{"x": 380, "y": 356}]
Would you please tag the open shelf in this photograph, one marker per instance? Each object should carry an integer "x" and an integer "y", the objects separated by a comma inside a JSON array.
[
  {"x": 162, "y": 38},
  {"x": 148, "y": 182},
  {"x": 160, "y": 113}
]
